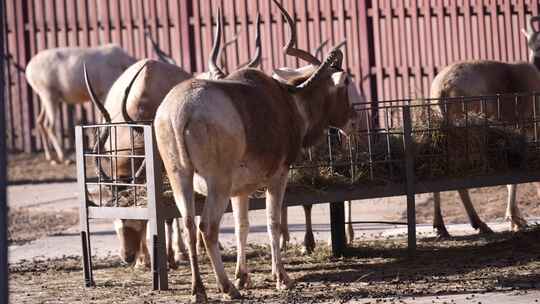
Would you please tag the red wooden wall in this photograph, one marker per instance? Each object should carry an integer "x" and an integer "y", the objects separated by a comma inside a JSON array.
[{"x": 395, "y": 47}]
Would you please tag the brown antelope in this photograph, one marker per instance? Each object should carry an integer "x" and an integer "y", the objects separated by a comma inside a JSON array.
[
  {"x": 56, "y": 75},
  {"x": 226, "y": 139},
  {"x": 308, "y": 245},
  {"x": 141, "y": 89},
  {"x": 478, "y": 78}
]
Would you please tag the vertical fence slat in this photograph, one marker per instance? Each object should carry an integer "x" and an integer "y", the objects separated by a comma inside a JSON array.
[
  {"x": 186, "y": 44},
  {"x": 33, "y": 46},
  {"x": 26, "y": 109},
  {"x": 522, "y": 49},
  {"x": 394, "y": 47},
  {"x": 7, "y": 28},
  {"x": 197, "y": 33},
  {"x": 363, "y": 41}
]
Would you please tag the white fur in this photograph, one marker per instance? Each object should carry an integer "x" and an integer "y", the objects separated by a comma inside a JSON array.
[{"x": 56, "y": 75}]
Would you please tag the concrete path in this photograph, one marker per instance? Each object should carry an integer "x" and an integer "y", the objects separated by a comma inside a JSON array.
[{"x": 104, "y": 243}]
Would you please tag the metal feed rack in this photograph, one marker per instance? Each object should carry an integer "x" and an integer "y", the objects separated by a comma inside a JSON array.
[
  {"x": 151, "y": 185},
  {"x": 383, "y": 158},
  {"x": 434, "y": 171}
]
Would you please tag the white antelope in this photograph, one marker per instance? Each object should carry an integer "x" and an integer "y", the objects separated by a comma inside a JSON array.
[
  {"x": 226, "y": 139},
  {"x": 478, "y": 78},
  {"x": 135, "y": 96},
  {"x": 56, "y": 75}
]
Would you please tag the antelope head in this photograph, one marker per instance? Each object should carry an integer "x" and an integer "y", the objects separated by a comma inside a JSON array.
[
  {"x": 533, "y": 37},
  {"x": 342, "y": 92}
]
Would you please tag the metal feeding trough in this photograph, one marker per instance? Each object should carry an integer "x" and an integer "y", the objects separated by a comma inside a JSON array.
[
  {"x": 104, "y": 204},
  {"x": 402, "y": 147}
]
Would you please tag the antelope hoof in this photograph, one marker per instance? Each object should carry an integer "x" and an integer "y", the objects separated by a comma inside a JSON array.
[
  {"x": 518, "y": 224},
  {"x": 284, "y": 243},
  {"x": 181, "y": 257},
  {"x": 53, "y": 162},
  {"x": 232, "y": 294},
  {"x": 309, "y": 243},
  {"x": 142, "y": 265},
  {"x": 242, "y": 281},
  {"x": 172, "y": 262},
  {"x": 350, "y": 235},
  {"x": 442, "y": 233},
  {"x": 68, "y": 162},
  {"x": 199, "y": 297},
  {"x": 285, "y": 284},
  {"x": 484, "y": 229},
  {"x": 198, "y": 294}
]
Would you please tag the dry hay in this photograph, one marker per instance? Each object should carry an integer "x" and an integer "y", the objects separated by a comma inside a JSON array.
[
  {"x": 135, "y": 196},
  {"x": 469, "y": 146}
]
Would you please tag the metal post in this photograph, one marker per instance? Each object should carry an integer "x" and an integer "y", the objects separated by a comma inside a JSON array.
[
  {"x": 155, "y": 217},
  {"x": 337, "y": 228},
  {"x": 83, "y": 209},
  {"x": 3, "y": 152},
  {"x": 410, "y": 179}
]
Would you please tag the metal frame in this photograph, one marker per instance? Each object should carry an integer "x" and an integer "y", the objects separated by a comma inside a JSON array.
[
  {"x": 4, "y": 289},
  {"x": 156, "y": 216},
  {"x": 409, "y": 184}
]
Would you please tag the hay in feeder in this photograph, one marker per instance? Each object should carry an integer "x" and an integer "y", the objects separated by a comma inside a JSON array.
[{"x": 468, "y": 146}]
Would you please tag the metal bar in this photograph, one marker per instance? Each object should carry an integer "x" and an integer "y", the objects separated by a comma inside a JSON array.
[
  {"x": 4, "y": 289},
  {"x": 83, "y": 209},
  {"x": 115, "y": 184},
  {"x": 155, "y": 218},
  {"x": 117, "y": 213},
  {"x": 118, "y": 124},
  {"x": 113, "y": 156},
  {"x": 337, "y": 228},
  {"x": 86, "y": 261},
  {"x": 24, "y": 94},
  {"x": 377, "y": 222},
  {"x": 410, "y": 179},
  {"x": 154, "y": 249}
]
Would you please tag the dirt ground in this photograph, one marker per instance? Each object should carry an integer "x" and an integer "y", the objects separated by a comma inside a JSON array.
[
  {"x": 33, "y": 168},
  {"x": 26, "y": 224},
  {"x": 501, "y": 262}
]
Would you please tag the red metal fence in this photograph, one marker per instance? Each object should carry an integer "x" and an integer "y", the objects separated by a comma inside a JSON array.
[{"x": 395, "y": 47}]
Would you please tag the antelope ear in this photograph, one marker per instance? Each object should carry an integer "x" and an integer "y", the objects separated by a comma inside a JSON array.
[
  {"x": 339, "y": 79},
  {"x": 525, "y": 33}
]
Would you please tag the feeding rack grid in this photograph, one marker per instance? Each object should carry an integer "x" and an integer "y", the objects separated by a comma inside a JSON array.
[
  {"x": 401, "y": 147},
  {"x": 129, "y": 165}
]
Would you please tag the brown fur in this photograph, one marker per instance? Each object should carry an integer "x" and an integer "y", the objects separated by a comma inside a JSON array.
[
  {"x": 130, "y": 239},
  {"x": 271, "y": 118},
  {"x": 227, "y": 138},
  {"x": 477, "y": 78},
  {"x": 149, "y": 89},
  {"x": 322, "y": 108}
]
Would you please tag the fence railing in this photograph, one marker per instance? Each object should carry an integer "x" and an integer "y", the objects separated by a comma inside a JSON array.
[
  {"x": 437, "y": 145},
  {"x": 394, "y": 49}
]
